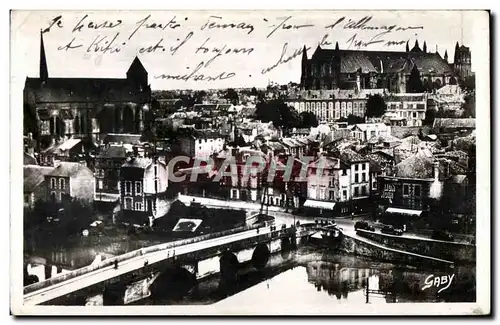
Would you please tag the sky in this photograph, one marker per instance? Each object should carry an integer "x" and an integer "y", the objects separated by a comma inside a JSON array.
[{"x": 195, "y": 45}]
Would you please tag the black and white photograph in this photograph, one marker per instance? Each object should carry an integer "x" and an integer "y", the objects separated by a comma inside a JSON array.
[{"x": 258, "y": 162}]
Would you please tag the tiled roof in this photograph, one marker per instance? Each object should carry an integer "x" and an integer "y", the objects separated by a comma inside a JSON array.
[
  {"x": 324, "y": 162},
  {"x": 70, "y": 169},
  {"x": 419, "y": 165},
  {"x": 34, "y": 176},
  {"x": 406, "y": 98},
  {"x": 454, "y": 123},
  {"x": 113, "y": 152},
  {"x": 349, "y": 156},
  {"x": 84, "y": 90},
  {"x": 385, "y": 61}
]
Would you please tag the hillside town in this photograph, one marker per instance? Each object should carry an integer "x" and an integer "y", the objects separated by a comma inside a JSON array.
[{"x": 388, "y": 142}]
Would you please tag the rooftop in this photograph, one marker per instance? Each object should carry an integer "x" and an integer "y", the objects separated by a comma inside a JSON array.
[
  {"x": 350, "y": 156},
  {"x": 70, "y": 169},
  {"x": 34, "y": 176},
  {"x": 454, "y": 123}
]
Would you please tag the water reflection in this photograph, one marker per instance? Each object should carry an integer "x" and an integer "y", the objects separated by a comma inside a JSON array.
[{"x": 319, "y": 282}]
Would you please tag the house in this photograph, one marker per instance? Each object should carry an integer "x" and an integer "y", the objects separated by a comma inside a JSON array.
[
  {"x": 416, "y": 184},
  {"x": 323, "y": 185},
  {"x": 107, "y": 172},
  {"x": 143, "y": 185},
  {"x": 70, "y": 180},
  {"x": 201, "y": 143},
  {"x": 329, "y": 190},
  {"x": 244, "y": 183},
  {"x": 407, "y": 108},
  {"x": 365, "y": 131},
  {"x": 34, "y": 184},
  {"x": 360, "y": 173}
]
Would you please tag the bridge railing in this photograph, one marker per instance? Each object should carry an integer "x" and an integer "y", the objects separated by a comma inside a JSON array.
[{"x": 139, "y": 252}]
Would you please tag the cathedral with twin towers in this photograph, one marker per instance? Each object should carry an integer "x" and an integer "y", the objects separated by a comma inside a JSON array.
[{"x": 391, "y": 70}]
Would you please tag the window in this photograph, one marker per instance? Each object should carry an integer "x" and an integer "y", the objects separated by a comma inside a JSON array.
[
  {"x": 61, "y": 183},
  {"x": 157, "y": 185},
  {"x": 53, "y": 183},
  {"x": 418, "y": 191},
  {"x": 331, "y": 183},
  {"x": 53, "y": 196},
  {"x": 138, "y": 188},
  {"x": 344, "y": 195},
  {"x": 363, "y": 190},
  {"x": 356, "y": 191},
  {"x": 128, "y": 203},
  {"x": 406, "y": 189},
  {"x": 138, "y": 206},
  {"x": 332, "y": 196},
  {"x": 128, "y": 187},
  {"x": 363, "y": 166},
  {"x": 356, "y": 167},
  {"x": 356, "y": 178},
  {"x": 344, "y": 172},
  {"x": 374, "y": 186},
  {"x": 414, "y": 114},
  {"x": 363, "y": 177},
  {"x": 99, "y": 184}
]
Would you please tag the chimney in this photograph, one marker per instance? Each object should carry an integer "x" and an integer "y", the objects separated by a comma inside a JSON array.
[{"x": 436, "y": 170}]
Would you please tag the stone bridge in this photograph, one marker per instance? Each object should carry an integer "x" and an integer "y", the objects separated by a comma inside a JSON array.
[{"x": 141, "y": 272}]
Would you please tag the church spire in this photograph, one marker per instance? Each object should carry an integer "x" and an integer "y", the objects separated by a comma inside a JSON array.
[
  {"x": 424, "y": 47},
  {"x": 44, "y": 73},
  {"x": 407, "y": 46},
  {"x": 336, "y": 46},
  {"x": 446, "y": 55},
  {"x": 304, "y": 54}
]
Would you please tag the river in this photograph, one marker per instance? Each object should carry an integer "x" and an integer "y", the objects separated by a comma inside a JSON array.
[{"x": 322, "y": 279}]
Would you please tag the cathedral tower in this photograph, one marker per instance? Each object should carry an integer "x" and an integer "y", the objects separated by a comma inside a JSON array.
[{"x": 462, "y": 61}]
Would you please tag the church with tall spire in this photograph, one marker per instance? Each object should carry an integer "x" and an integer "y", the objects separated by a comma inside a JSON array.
[
  {"x": 361, "y": 69},
  {"x": 56, "y": 109}
]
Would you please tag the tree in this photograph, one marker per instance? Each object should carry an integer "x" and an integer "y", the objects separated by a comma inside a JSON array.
[
  {"x": 415, "y": 83},
  {"x": 254, "y": 92},
  {"x": 232, "y": 96},
  {"x": 308, "y": 120},
  {"x": 375, "y": 106},
  {"x": 353, "y": 119},
  {"x": 278, "y": 112}
]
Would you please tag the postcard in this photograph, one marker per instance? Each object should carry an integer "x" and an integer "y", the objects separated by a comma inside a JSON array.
[{"x": 257, "y": 162}]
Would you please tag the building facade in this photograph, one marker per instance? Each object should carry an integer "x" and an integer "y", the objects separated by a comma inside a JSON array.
[
  {"x": 85, "y": 107},
  {"x": 143, "y": 185},
  {"x": 70, "y": 180},
  {"x": 406, "y": 109},
  {"x": 355, "y": 69}
]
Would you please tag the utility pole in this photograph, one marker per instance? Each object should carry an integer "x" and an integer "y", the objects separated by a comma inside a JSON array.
[{"x": 367, "y": 289}]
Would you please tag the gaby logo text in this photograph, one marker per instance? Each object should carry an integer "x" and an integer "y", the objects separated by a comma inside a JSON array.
[{"x": 441, "y": 282}]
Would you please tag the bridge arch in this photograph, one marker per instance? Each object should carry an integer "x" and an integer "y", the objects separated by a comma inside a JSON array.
[
  {"x": 286, "y": 247},
  {"x": 229, "y": 266},
  {"x": 114, "y": 294},
  {"x": 260, "y": 256},
  {"x": 173, "y": 283}
]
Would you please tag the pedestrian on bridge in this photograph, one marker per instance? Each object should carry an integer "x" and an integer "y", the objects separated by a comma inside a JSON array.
[
  {"x": 116, "y": 264},
  {"x": 146, "y": 262}
]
